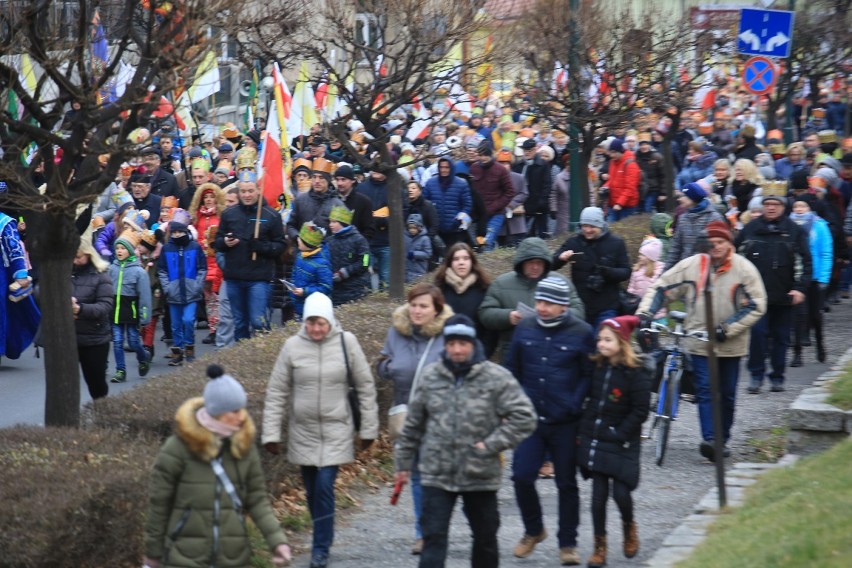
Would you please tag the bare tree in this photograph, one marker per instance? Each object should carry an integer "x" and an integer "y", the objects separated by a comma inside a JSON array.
[
  {"x": 624, "y": 65},
  {"x": 380, "y": 57},
  {"x": 821, "y": 45},
  {"x": 162, "y": 41}
]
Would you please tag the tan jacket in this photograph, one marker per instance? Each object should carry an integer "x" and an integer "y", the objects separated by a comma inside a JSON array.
[
  {"x": 308, "y": 388},
  {"x": 739, "y": 301}
]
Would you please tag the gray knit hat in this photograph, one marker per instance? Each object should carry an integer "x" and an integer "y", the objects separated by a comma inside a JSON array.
[
  {"x": 223, "y": 393},
  {"x": 554, "y": 290},
  {"x": 593, "y": 216}
]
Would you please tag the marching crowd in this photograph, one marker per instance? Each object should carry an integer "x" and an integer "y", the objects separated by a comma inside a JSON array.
[{"x": 185, "y": 234}]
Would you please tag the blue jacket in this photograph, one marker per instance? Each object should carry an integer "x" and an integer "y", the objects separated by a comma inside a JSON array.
[
  {"x": 784, "y": 168},
  {"x": 552, "y": 365},
  {"x": 448, "y": 202},
  {"x": 182, "y": 271},
  {"x": 822, "y": 250},
  {"x": 313, "y": 273}
]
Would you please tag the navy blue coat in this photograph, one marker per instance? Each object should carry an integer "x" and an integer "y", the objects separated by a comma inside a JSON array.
[
  {"x": 448, "y": 202},
  {"x": 552, "y": 365},
  {"x": 350, "y": 260}
]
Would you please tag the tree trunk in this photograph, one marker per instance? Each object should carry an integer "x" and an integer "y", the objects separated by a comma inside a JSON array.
[
  {"x": 54, "y": 249},
  {"x": 396, "y": 228}
]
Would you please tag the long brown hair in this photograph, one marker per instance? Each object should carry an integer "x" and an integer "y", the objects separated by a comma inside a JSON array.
[
  {"x": 626, "y": 356},
  {"x": 482, "y": 278}
]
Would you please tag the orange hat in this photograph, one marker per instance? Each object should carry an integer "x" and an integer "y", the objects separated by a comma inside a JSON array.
[
  {"x": 323, "y": 166},
  {"x": 705, "y": 128},
  {"x": 817, "y": 182},
  {"x": 170, "y": 201},
  {"x": 818, "y": 113},
  {"x": 776, "y": 134},
  {"x": 504, "y": 157}
]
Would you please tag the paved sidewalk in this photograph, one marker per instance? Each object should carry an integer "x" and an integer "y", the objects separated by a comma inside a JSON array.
[{"x": 379, "y": 535}]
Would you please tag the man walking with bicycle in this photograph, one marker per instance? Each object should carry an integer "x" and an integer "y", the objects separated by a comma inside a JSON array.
[{"x": 739, "y": 301}]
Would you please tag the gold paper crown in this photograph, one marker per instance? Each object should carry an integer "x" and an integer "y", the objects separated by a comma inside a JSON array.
[
  {"x": 303, "y": 163},
  {"x": 246, "y": 159},
  {"x": 200, "y": 164},
  {"x": 775, "y": 187},
  {"x": 827, "y": 136},
  {"x": 323, "y": 166}
]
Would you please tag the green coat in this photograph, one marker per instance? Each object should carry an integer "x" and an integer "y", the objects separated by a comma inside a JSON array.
[{"x": 184, "y": 491}]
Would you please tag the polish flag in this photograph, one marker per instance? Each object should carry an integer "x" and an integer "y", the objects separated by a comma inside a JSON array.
[{"x": 272, "y": 181}]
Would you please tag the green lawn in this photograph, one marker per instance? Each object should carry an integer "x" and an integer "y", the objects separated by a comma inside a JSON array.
[
  {"x": 794, "y": 517},
  {"x": 841, "y": 390}
]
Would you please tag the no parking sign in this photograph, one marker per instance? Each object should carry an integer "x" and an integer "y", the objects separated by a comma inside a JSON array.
[{"x": 759, "y": 75}]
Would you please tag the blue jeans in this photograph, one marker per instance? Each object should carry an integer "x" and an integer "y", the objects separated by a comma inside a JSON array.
[
  {"x": 249, "y": 306},
  {"x": 480, "y": 508},
  {"x": 119, "y": 332},
  {"x": 560, "y": 441},
  {"x": 381, "y": 263},
  {"x": 319, "y": 489},
  {"x": 495, "y": 223},
  {"x": 650, "y": 203},
  {"x": 774, "y": 327},
  {"x": 729, "y": 374},
  {"x": 624, "y": 213},
  {"x": 183, "y": 324},
  {"x": 846, "y": 278}
]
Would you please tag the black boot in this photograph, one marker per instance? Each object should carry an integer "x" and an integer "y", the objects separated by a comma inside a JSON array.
[
  {"x": 820, "y": 349},
  {"x": 797, "y": 359}
]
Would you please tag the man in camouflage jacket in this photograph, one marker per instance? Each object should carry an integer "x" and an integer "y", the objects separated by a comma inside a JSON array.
[{"x": 463, "y": 413}]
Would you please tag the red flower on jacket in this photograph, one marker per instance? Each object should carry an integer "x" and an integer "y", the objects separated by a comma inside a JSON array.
[{"x": 615, "y": 395}]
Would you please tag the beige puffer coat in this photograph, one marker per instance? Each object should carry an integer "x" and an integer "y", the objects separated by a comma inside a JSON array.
[{"x": 308, "y": 389}]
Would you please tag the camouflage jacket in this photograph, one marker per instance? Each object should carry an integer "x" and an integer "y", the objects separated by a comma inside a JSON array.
[{"x": 447, "y": 417}]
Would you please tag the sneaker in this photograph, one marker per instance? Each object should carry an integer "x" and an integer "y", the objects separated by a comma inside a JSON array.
[
  {"x": 777, "y": 387},
  {"x": 144, "y": 367},
  {"x": 319, "y": 561},
  {"x": 417, "y": 547},
  {"x": 568, "y": 556},
  {"x": 120, "y": 376},
  {"x": 527, "y": 544}
]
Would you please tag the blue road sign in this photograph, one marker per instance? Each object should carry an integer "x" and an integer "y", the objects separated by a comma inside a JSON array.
[
  {"x": 765, "y": 32},
  {"x": 759, "y": 75}
]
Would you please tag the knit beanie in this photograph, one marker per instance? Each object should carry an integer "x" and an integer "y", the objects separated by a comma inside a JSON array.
[
  {"x": 311, "y": 234},
  {"x": 341, "y": 215},
  {"x": 799, "y": 180},
  {"x": 318, "y": 305},
  {"x": 459, "y": 326},
  {"x": 223, "y": 393},
  {"x": 554, "y": 290},
  {"x": 623, "y": 326},
  {"x": 593, "y": 216},
  {"x": 652, "y": 249},
  {"x": 719, "y": 230},
  {"x": 415, "y": 219},
  {"x": 694, "y": 192},
  {"x": 616, "y": 146}
]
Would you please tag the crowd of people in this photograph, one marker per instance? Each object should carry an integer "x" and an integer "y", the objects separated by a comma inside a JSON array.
[{"x": 536, "y": 360}]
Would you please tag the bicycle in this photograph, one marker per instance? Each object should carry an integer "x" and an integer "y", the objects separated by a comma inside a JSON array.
[{"x": 669, "y": 389}]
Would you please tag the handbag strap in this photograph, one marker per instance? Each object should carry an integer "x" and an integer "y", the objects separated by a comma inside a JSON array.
[
  {"x": 420, "y": 367},
  {"x": 349, "y": 380},
  {"x": 222, "y": 475}
]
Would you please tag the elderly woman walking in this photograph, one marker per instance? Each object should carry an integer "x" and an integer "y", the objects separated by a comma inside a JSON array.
[{"x": 308, "y": 390}]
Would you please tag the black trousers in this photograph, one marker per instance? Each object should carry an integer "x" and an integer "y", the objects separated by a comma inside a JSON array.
[
  {"x": 480, "y": 507},
  {"x": 93, "y": 362}
]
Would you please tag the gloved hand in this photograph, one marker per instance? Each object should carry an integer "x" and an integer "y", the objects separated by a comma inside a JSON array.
[
  {"x": 644, "y": 321},
  {"x": 336, "y": 278},
  {"x": 721, "y": 333},
  {"x": 553, "y": 215},
  {"x": 410, "y": 255},
  {"x": 272, "y": 447},
  {"x": 365, "y": 444}
]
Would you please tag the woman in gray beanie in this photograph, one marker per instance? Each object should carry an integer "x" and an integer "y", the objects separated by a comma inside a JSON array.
[{"x": 207, "y": 477}]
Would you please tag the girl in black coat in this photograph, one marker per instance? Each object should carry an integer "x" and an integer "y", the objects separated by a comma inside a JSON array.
[{"x": 611, "y": 428}]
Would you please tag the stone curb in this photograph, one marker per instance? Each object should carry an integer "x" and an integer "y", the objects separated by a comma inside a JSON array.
[{"x": 691, "y": 532}]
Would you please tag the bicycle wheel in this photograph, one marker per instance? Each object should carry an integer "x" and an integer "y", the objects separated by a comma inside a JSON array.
[{"x": 666, "y": 416}]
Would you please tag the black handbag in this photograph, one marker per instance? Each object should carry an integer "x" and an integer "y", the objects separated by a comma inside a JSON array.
[
  {"x": 628, "y": 303},
  {"x": 352, "y": 392}
]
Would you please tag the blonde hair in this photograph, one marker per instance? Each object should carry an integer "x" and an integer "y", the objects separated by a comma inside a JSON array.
[
  {"x": 750, "y": 171},
  {"x": 625, "y": 356},
  {"x": 650, "y": 265}
]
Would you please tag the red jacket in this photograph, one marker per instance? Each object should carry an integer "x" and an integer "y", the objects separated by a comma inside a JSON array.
[
  {"x": 624, "y": 179},
  {"x": 494, "y": 184}
]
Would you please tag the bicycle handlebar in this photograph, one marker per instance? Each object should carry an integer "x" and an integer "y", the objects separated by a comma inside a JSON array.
[{"x": 657, "y": 327}]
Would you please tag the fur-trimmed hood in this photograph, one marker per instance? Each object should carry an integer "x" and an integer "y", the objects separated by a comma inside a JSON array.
[
  {"x": 204, "y": 444},
  {"x": 402, "y": 322},
  {"x": 196, "y": 198}
]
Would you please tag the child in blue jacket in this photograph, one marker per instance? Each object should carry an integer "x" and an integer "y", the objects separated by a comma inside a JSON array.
[
  {"x": 182, "y": 268},
  {"x": 312, "y": 269}
]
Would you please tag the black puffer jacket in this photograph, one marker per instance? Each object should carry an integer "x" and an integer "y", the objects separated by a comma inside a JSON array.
[
  {"x": 311, "y": 206},
  {"x": 95, "y": 295},
  {"x": 598, "y": 272},
  {"x": 611, "y": 426},
  {"x": 239, "y": 264}
]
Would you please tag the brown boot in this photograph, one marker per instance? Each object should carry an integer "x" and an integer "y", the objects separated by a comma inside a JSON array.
[
  {"x": 598, "y": 558},
  {"x": 631, "y": 539},
  {"x": 177, "y": 357}
]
